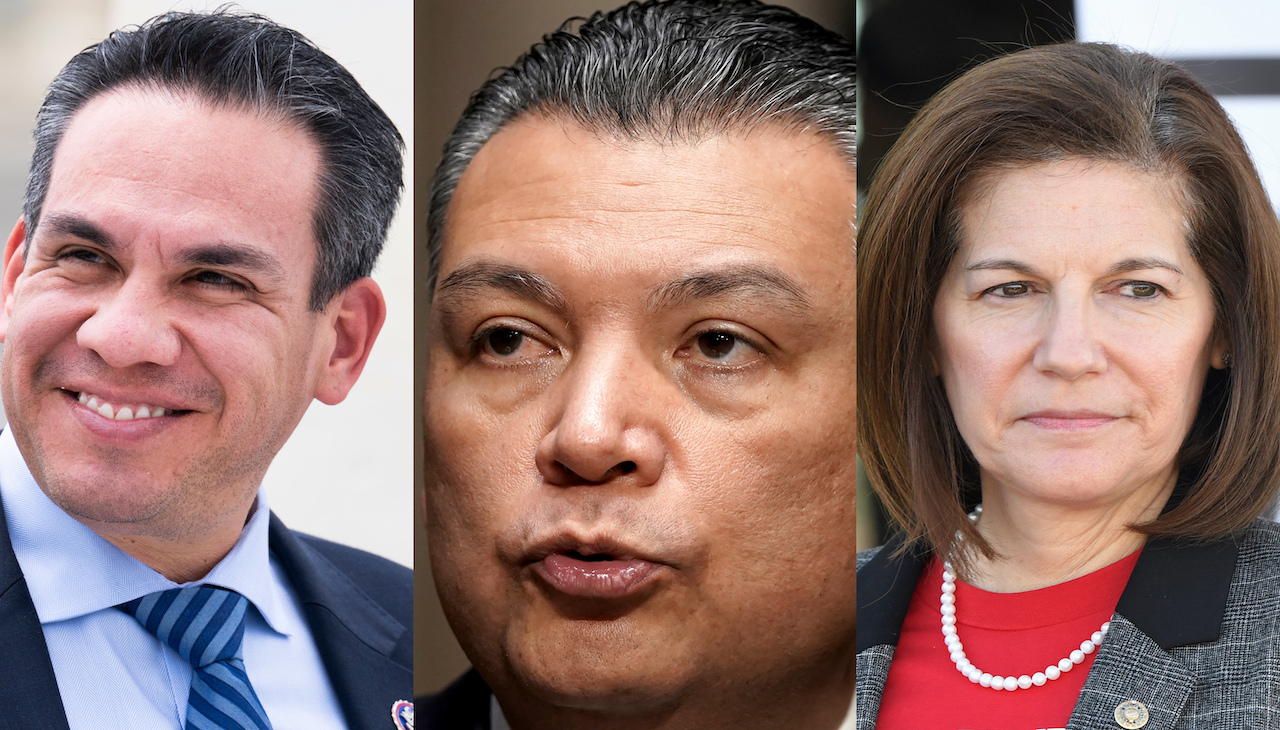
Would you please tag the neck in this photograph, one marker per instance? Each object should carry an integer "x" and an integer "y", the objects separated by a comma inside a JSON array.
[
  {"x": 184, "y": 558},
  {"x": 821, "y": 704},
  {"x": 1041, "y": 544}
]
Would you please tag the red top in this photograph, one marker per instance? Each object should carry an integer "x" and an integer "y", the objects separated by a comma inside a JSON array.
[{"x": 1002, "y": 633}]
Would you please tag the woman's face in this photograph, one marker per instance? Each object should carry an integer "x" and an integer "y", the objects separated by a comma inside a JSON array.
[{"x": 1075, "y": 331}]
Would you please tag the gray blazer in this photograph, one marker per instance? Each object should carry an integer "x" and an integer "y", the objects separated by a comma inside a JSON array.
[{"x": 1195, "y": 637}]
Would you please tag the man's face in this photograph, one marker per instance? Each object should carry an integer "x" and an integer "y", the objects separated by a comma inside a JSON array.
[
  {"x": 167, "y": 280},
  {"x": 640, "y": 415}
]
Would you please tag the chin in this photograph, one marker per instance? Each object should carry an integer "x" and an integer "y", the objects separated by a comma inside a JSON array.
[
  {"x": 106, "y": 499},
  {"x": 599, "y": 665}
]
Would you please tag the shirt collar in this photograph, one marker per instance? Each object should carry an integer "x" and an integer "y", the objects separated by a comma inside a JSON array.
[{"x": 71, "y": 571}]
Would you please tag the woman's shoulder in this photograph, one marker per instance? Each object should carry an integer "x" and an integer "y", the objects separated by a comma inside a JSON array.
[
  {"x": 866, "y": 555},
  {"x": 1259, "y": 557}
]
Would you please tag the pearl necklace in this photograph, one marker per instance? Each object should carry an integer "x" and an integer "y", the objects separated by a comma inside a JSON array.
[{"x": 986, "y": 679}]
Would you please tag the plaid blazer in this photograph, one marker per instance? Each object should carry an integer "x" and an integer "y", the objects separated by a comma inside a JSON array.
[{"x": 1195, "y": 637}]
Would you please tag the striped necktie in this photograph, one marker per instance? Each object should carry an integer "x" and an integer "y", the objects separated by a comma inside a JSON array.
[{"x": 205, "y": 626}]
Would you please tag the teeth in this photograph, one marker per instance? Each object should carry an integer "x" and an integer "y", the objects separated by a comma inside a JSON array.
[{"x": 125, "y": 413}]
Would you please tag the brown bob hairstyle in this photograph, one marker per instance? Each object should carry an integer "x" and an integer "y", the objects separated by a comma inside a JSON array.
[{"x": 1071, "y": 101}]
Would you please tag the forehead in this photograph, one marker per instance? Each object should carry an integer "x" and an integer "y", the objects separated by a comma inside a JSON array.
[
  {"x": 559, "y": 199},
  {"x": 1057, "y": 209},
  {"x": 144, "y": 163}
]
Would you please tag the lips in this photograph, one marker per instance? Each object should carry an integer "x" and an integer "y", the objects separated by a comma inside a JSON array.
[
  {"x": 1073, "y": 420},
  {"x": 592, "y": 569}
]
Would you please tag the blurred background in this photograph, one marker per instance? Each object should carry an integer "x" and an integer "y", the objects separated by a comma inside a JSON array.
[
  {"x": 909, "y": 50},
  {"x": 346, "y": 474},
  {"x": 459, "y": 45}
]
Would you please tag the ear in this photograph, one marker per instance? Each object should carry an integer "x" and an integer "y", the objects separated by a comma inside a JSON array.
[
  {"x": 357, "y": 317},
  {"x": 1219, "y": 351},
  {"x": 13, "y": 265}
]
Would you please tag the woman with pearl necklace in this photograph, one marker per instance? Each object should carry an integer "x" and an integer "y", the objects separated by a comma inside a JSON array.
[{"x": 1068, "y": 402}]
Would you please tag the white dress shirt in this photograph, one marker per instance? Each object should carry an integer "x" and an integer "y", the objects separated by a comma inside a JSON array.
[{"x": 112, "y": 672}]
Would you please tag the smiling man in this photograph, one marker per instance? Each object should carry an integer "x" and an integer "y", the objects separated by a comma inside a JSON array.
[
  {"x": 207, "y": 197},
  {"x": 640, "y": 388}
]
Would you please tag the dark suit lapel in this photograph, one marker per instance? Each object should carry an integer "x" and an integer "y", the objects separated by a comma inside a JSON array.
[
  {"x": 366, "y": 652},
  {"x": 29, "y": 695}
]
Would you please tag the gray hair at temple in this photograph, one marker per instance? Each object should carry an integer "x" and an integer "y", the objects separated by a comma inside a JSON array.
[
  {"x": 246, "y": 61},
  {"x": 674, "y": 72}
]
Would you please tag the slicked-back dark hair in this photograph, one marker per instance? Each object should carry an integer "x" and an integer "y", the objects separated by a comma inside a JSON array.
[
  {"x": 246, "y": 61},
  {"x": 677, "y": 71}
]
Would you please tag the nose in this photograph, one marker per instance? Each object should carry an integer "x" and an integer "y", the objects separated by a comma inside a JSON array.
[
  {"x": 130, "y": 328},
  {"x": 607, "y": 426},
  {"x": 1069, "y": 346}
]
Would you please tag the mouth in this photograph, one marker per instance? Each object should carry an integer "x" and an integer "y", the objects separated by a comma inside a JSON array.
[
  {"x": 593, "y": 570},
  {"x": 1069, "y": 420},
  {"x": 120, "y": 410}
]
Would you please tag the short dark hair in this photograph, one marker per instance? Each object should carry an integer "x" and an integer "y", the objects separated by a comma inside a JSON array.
[
  {"x": 1071, "y": 101},
  {"x": 674, "y": 71},
  {"x": 245, "y": 60}
]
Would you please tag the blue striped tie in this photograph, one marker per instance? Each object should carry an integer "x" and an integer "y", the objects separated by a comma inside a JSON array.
[{"x": 205, "y": 626}]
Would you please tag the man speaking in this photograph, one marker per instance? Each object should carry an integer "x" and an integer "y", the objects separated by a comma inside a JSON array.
[
  {"x": 639, "y": 415},
  {"x": 207, "y": 197}
]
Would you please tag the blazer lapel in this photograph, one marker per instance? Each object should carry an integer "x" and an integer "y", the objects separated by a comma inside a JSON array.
[
  {"x": 367, "y": 652},
  {"x": 872, "y": 673},
  {"x": 885, "y": 585},
  {"x": 1176, "y": 596},
  {"x": 29, "y": 695},
  {"x": 1131, "y": 666}
]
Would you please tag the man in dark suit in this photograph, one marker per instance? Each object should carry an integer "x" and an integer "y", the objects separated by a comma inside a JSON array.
[
  {"x": 207, "y": 197},
  {"x": 640, "y": 473}
]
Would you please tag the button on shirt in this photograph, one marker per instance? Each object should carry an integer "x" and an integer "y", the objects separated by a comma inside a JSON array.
[{"x": 113, "y": 673}]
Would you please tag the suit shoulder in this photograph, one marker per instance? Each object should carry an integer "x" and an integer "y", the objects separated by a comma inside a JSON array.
[
  {"x": 386, "y": 581},
  {"x": 866, "y": 555}
]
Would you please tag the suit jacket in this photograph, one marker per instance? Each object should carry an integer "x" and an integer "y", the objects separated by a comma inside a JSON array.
[
  {"x": 1195, "y": 637},
  {"x": 463, "y": 705},
  {"x": 359, "y": 607}
]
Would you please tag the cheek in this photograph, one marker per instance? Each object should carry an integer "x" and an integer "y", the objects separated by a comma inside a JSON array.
[
  {"x": 477, "y": 467},
  {"x": 978, "y": 375},
  {"x": 776, "y": 496}
]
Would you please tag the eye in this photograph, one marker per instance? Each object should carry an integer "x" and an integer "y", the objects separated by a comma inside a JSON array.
[
  {"x": 503, "y": 342},
  {"x": 217, "y": 279},
  {"x": 83, "y": 255},
  {"x": 1009, "y": 290},
  {"x": 721, "y": 347},
  {"x": 1141, "y": 289},
  {"x": 508, "y": 344}
]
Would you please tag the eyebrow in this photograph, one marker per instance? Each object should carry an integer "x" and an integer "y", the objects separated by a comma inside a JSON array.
[
  {"x": 761, "y": 281},
  {"x": 220, "y": 253},
  {"x": 471, "y": 278},
  {"x": 770, "y": 283},
  {"x": 1127, "y": 265}
]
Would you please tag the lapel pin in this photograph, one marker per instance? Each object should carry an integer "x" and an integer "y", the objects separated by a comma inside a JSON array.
[
  {"x": 1132, "y": 714},
  {"x": 402, "y": 714}
]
